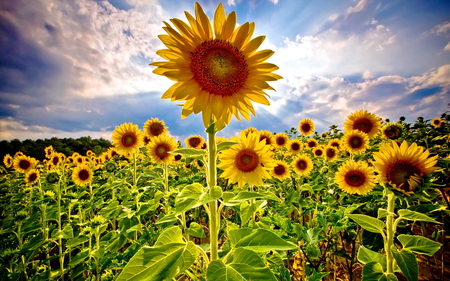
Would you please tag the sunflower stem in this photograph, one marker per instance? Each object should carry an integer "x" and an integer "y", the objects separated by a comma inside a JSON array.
[
  {"x": 212, "y": 181},
  {"x": 390, "y": 229}
]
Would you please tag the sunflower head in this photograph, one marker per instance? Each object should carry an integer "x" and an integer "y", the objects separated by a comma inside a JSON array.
[
  {"x": 281, "y": 140},
  {"x": 336, "y": 143},
  {"x": 330, "y": 153},
  {"x": 82, "y": 175},
  {"x": 355, "y": 141},
  {"x": 363, "y": 121},
  {"x": 306, "y": 127},
  {"x": 160, "y": 147},
  {"x": 127, "y": 138},
  {"x": 31, "y": 176},
  {"x": 302, "y": 164},
  {"x": 249, "y": 130},
  {"x": 266, "y": 136},
  {"x": 319, "y": 151},
  {"x": 436, "y": 122},
  {"x": 355, "y": 177},
  {"x": 48, "y": 151},
  {"x": 23, "y": 164},
  {"x": 196, "y": 142},
  {"x": 403, "y": 166},
  {"x": 217, "y": 68},
  {"x": 281, "y": 170},
  {"x": 295, "y": 145},
  {"x": 392, "y": 130},
  {"x": 311, "y": 143},
  {"x": 8, "y": 161},
  {"x": 154, "y": 127}
]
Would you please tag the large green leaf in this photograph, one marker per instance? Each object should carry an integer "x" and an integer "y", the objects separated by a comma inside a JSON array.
[
  {"x": 231, "y": 199},
  {"x": 415, "y": 216},
  {"x": 242, "y": 265},
  {"x": 373, "y": 271},
  {"x": 247, "y": 209},
  {"x": 190, "y": 153},
  {"x": 259, "y": 240},
  {"x": 168, "y": 258},
  {"x": 407, "y": 262},
  {"x": 368, "y": 223},
  {"x": 419, "y": 244},
  {"x": 366, "y": 256},
  {"x": 225, "y": 145},
  {"x": 193, "y": 196},
  {"x": 196, "y": 230}
]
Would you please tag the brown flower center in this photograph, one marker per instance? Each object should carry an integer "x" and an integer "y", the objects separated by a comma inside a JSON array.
[
  {"x": 83, "y": 174},
  {"x": 392, "y": 132},
  {"x": 156, "y": 129},
  {"x": 162, "y": 151},
  {"x": 330, "y": 153},
  {"x": 55, "y": 160},
  {"x": 399, "y": 173},
  {"x": 24, "y": 164},
  {"x": 279, "y": 170},
  {"x": 281, "y": 141},
  {"x": 129, "y": 139},
  {"x": 295, "y": 146},
  {"x": 32, "y": 177},
  {"x": 312, "y": 144},
  {"x": 194, "y": 141},
  {"x": 355, "y": 142},
  {"x": 219, "y": 67},
  {"x": 305, "y": 127},
  {"x": 318, "y": 152},
  {"x": 247, "y": 160},
  {"x": 363, "y": 124},
  {"x": 301, "y": 164},
  {"x": 355, "y": 178}
]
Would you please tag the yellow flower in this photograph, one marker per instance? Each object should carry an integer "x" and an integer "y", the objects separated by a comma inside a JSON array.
[
  {"x": 318, "y": 151},
  {"x": 302, "y": 164},
  {"x": 336, "y": 143},
  {"x": 82, "y": 175},
  {"x": 355, "y": 141},
  {"x": 160, "y": 147},
  {"x": 311, "y": 143},
  {"x": 90, "y": 153},
  {"x": 8, "y": 161},
  {"x": 363, "y": 121},
  {"x": 392, "y": 130},
  {"x": 306, "y": 127},
  {"x": 404, "y": 166},
  {"x": 355, "y": 177},
  {"x": 23, "y": 164},
  {"x": 56, "y": 158},
  {"x": 247, "y": 162},
  {"x": 154, "y": 128},
  {"x": 250, "y": 130},
  {"x": 127, "y": 139},
  {"x": 196, "y": 142},
  {"x": 281, "y": 170},
  {"x": 218, "y": 73},
  {"x": 267, "y": 136},
  {"x": 48, "y": 151},
  {"x": 330, "y": 152},
  {"x": 31, "y": 176},
  {"x": 295, "y": 145},
  {"x": 436, "y": 122},
  {"x": 281, "y": 140}
]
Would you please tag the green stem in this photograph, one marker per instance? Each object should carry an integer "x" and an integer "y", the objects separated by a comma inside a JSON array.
[
  {"x": 390, "y": 233},
  {"x": 212, "y": 181},
  {"x": 60, "y": 247}
]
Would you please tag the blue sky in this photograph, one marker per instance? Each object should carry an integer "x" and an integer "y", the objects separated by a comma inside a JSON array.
[{"x": 78, "y": 68}]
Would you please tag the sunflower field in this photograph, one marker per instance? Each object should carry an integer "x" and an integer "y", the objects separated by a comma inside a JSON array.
[{"x": 369, "y": 201}]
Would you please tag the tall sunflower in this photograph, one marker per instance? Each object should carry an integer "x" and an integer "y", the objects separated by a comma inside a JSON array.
[
  {"x": 8, "y": 161},
  {"x": 306, "y": 127},
  {"x": 363, "y": 121},
  {"x": 295, "y": 145},
  {"x": 267, "y": 136},
  {"x": 160, "y": 147},
  {"x": 82, "y": 175},
  {"x": 436, "y": 122},
  {"x": 281, "y": 170},
  {"x": 311, "y": 143},
  {"x": 336, "y": 143},
  {"x": 318, "y": 151},
  {"x": 23, "y": 164},
  {"x": 355, "y": 177},
  {"x": 302, "y": 164},
  {"x": 247, "y": 162},
  {"x": 196, "y": 142},
  {"x": 31, "y": 176},
  {"x": 218, "y": 73},
  {"x": 48, "y": 151},
  {"x": 281, "y": 140},
  {"x": 154, "y": 127},
  {"x": 404, "y": 166},
  {"x": 127, "y": 138},
  {"x": 392, "y": 130},
  {"x": 355, "y": 141},
  {"x": 330, "y": 152}
]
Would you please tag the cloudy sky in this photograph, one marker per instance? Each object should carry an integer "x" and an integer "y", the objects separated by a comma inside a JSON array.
[{"x": 80, "y": 68}]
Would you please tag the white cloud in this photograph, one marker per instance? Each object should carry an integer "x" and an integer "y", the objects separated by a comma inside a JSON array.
[
  {"x": 274, "y": 1},
  {"x": 358, "y": 7},
  {"x": 231, "y": 2}
]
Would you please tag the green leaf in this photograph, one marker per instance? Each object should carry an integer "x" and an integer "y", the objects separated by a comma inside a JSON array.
[
  {"x": 76, "y": 241},
  {"x": 258, "y": 240},
  {"x": 196, "y": 230},
  {"x": 243, "y": 265},
  {"x": 366, "y": 256},
  {"x": 160, "y": 262},
  {"x": 368, "y": 223},
  {"x": 111, "y": 210},
  {"x": 241, "y": 197},
  {"x": 419, "y": 244},
  {"x": 225, "y": 145},
  {"x": 373, "y": 271},
  {"x": 188, "y": 197},
  {"x": 117, "y": 243},
  {"x": 382, "y": 213},
  {"x": 407, "y": 262},
  {"x": 415, "y": 216},
  {"x": 190, "y": 153},
  {"x": 146, "y": 207},
  {"x": 317, "y": 276},
  {"x": 170, "y": 235},
  {"x": 79, "y": 257}
]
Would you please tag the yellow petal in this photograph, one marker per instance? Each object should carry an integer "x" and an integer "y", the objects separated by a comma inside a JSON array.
[
  {"x": 229, "y": 26},
  {"x": 219, "y": 20},
  {"x": 168, "y": 94},
  {"x": 258, "y": 98},
  {"x": 178, "y": 75},
  {"x": 201, "y": 102},
  {"x": 169, "y": 55},
  {"x": 253, "y": 45},
  {"x": 260, "y": 56},
  {"x": 265, "y": 67},
  {"x": 203, "y": 21},
  {"x": 184, "y": 28},
  {"x": 240, "y": 35}
]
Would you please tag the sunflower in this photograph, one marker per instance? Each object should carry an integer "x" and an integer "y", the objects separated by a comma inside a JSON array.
[
  {"x": 8, "y": 161},
  {"x": 127, "y": 139},
  {"x": 160, "y": 147},
  {"x": 330, "y": 152},
  {"x": 48, "y": 151},
  {"x": 56, "y": 158},
  {"x": 318, "y": 151},
  {"x": 355, "y": 141},
  {"x": 306, "y": 127},
  {"x": 267, "y": 136},
  {"x": 392, "y": 130},
  {"x": 363, "y": 121},
  {"x": 355, "y": 177},
  {"x": 295, "y": 145},
  {"x": 250, "y": 130},
  {"x": 404, "y": 166},
  {"x": 82, "y": 175},
  {"x": 90, "y": 153},
  {"x": 220, "y": 139},
  {"x": 247, "y": 162},
  {"x": 52, "y": 177},
  {"x": 324, "y": 135},
  {"x": 31, "y": 176},
  {"x": 112, "y": 152},
  {"x": 311, "y": 143},
  {"x": 196, "y": 142},
  {"x": 336, "y": 143},
  {"x": 281, "y": 140},
  {"x": 302, "y": 164},
  {"x": 281, "y": 170},
  {"x": 218, "y": 73},
  {"x": 436, "y": 122},
  {"x": 23, "y": 164},
  {"x": 154, "y": 128}
]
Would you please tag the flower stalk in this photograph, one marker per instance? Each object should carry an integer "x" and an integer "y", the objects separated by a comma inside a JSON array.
[
  {"x": 390, "y": 231},
  {"x": 214, "y": 216}
]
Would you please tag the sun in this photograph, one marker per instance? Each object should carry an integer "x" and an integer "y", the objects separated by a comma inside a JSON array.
[
  {"x": 160, "y": 147},
  {"x": 306, "y": 127},
  {"x": 248, "y": 162},
  {"x": 404, "y": 166},
  {"x": 217, "y": 67},
  {"x": 363, "y": 121},
  {"x": 127, "y": 139},
  {"x": 355, "y": 177}
]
